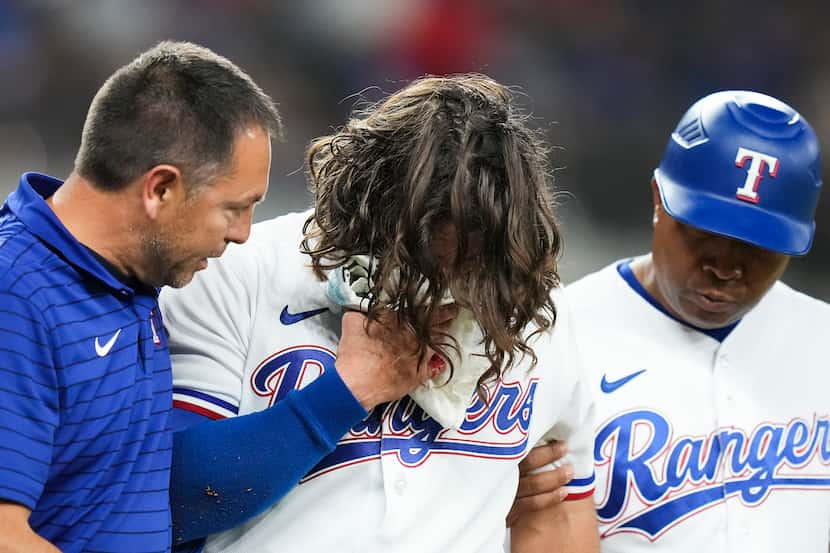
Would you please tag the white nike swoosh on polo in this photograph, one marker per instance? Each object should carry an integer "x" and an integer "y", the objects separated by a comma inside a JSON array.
[{"x": 105, "y": 349}]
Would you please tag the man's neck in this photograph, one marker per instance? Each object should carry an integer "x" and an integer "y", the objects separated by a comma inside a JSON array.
[
  {"x": 100, "y": 220},
  {"x": 646, "y": 274},
  {"x": 643, "y": 269}
]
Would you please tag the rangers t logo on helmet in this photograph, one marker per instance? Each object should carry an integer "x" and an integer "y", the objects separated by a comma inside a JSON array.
[{"x": 759, "y": 162}]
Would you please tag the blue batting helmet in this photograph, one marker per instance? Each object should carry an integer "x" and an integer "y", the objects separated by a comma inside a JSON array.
[{"x": 746, "y": 166}]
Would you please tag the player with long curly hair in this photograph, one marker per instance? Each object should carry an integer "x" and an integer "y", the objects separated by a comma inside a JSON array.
[
  {"x": 451, "y": 157},
  {"x": 434, "y": 216}
]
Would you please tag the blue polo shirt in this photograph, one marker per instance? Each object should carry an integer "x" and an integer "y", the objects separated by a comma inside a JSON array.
[{"x": 85, "y": 388}]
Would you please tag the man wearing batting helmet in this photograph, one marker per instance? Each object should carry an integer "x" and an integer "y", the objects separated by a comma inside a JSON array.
[{"x": 709, "y": 373}]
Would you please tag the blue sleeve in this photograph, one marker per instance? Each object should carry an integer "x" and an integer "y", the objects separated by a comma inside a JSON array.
[
  {"x": 28, "y": 401},
  {"x": 182, "y": 419},
  {"x": 228, "y": 471}
]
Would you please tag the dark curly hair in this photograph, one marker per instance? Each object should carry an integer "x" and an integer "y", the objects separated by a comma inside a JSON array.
[{"x": 442, "y": 150}]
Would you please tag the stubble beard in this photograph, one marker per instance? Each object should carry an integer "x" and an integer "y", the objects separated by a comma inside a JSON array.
[{"x": 161, "y": 269}]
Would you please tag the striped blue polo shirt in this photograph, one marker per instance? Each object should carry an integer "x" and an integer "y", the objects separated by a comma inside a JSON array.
[{"x": 85, "y": 388}]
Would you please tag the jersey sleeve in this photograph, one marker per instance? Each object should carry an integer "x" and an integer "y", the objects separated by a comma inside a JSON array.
[
  {"x": 28, "y": 400},
  {"x": 208, "y": 324},
  {"x": 575, "y": 424},
  {"x": 576, "y": 428}
]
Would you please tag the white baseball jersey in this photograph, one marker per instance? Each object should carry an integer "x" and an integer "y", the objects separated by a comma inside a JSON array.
[
  {"x": 257, "y": 324},
  {"x": 703, "y": 446}
]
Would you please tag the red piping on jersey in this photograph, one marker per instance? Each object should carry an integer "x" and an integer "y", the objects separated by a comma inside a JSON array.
[
  {"x": 179, "y": 404},
  {"x": 581, "y": 495}
]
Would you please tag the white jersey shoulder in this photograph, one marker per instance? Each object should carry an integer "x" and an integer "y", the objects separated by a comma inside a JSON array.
[
  {"x": 701, "y": 444},
  {"x": 213, "y": 319},
  {"x": 257, "y": 324}
]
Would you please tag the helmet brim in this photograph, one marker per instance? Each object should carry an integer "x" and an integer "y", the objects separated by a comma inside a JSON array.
[{"x": 734, "y": 218}]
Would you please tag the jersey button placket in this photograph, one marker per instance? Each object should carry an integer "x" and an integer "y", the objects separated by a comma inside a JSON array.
[
  {"x": 724, "y": 405},
  {"x": 398, "y": 519},
  {"x": 400, "y": 485}
]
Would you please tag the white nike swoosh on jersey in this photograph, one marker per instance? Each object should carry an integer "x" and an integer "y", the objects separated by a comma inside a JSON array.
[{"x": 105, "y": 349}]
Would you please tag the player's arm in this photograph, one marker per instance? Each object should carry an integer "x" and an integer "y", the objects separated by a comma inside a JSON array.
[
  {"x": 541, "y": 519},
  {"x": 16, "y": 536},
  {"x": 567, "y": 527},
  {"x": 540, "y": 484},
  {"x": 553, "y": 511}
]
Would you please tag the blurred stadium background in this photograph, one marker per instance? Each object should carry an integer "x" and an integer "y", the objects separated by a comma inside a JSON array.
[{"x": 607, "y": 80}]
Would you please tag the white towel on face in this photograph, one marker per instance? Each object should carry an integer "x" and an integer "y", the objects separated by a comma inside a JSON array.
[{"x": 443, "y": 398}]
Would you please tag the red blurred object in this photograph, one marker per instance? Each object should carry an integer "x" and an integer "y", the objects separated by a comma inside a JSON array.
[{"x": 447, "y": 36}]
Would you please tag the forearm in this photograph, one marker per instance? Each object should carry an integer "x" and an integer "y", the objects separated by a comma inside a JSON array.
[
  {"x": 228, "y": 471},
  {"x": 25, "y": 542},
  {"x": 16, "y": 536},
  {"x": 569, "y": 527}
]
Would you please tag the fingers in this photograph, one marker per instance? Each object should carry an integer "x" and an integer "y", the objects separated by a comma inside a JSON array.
[
  {"x": 541, "y": 483},
  {"x": 386, "y": 329},
  {"x": 543, "y": 455},
  {"x": 353, "y": 318},
  {"x": 534, "y": 503},
  {"x": 379, "y": 360},
  {"x": 544, "y": 488},
  {"x": 539, "y": 491},
  {"x": 356, "y": 323},
  {"x": 376, "y": 363}
]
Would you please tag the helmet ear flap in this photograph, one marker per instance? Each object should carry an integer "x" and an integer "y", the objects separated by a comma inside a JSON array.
[{"x": 743, "y": 165}]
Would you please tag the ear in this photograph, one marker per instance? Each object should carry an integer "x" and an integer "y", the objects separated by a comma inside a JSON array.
[
  {"x": 657, "y": 200},
  {"x": 655, "y": 194},
  {"x": 162, "y": 186}
]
